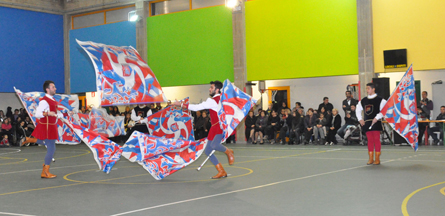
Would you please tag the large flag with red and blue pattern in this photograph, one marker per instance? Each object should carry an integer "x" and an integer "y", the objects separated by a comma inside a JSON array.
[
  {"x": 67, "y": 103},
  {"x": 122, "y": 76},
  {"x": 401, "y": 109},
  {"x": 160, "y": 156},
  {"x": 233, "y": 106}
]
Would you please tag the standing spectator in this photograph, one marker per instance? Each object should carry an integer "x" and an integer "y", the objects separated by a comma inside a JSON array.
[
  {"x": 422, "y": 115},
  {"x": 309, "y": 123},
  {"x": 260, "y": 126},
  {"x": 9, "y": 113},
  {"x": 282, "y": 107},
  {"x": 250, "y": 127},
  {"x": 297, "y": 126},
  {"x": 2, "y": 116},
  {"x": 320, "y": 129},
  {"x": 425, "y": 104},
  {"x": 7, "y": 130},
  {"x": 327, "y": 106},
  {"x": 349, "y": 101},
  {"x": 197, "y": 123},
  {"x": 206, "y": 124},
  {"x": 273, "y": 126},
  {"x": 285, "y": 123},
  {"x": 334, "y": 125},
  {"x": 431, "y": 130},
  {"x": 16, "y": 115}
]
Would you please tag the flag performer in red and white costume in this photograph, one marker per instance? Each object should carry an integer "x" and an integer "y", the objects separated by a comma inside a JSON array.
[
  {"x": 371, "y": 124},
  {"x": 215, "y": 133},
  {"x": 46, "y": 132}
]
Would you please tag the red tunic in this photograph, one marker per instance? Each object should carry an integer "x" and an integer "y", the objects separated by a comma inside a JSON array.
[
  {"x": 214, "y": 120},
  {"x": 47, "y": 126}
]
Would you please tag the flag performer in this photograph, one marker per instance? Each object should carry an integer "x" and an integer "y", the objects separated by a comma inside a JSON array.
[
  {"x": 371, "y": 124},
  {"x": 215, "y": 133},
  {"x": 46, "y": 132}
]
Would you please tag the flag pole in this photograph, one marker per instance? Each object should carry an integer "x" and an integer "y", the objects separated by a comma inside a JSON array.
[{"x": 211, "y": 153}]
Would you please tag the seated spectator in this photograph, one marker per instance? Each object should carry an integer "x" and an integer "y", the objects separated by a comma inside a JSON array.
[
  {"x": 273, "y": 126},
  {"x": 269, "y": 110},
  {"x": 23, "y": 131},
  {"x": 422, "y": 115},
  {"x": 327, "y": 106},
  {"x": 309, "y": 123},
  {"x": 16, "y": 115},
  {"x": 320, "y": 129},
  {"x": 297, "y": 126},
  {"x": 127, "y": 110},
  {"x": 260, "y": 126},
  {"x": 250, "y": 127},
  {"x": 322, "y": 111},
  {"x": 2, "y": 116},
  {"x": 7, "y": 130},
  {"x": 286, "y": 124},
  {"x": 282, "y": 107},
  {"x": 297, "y": 106},
  {"x": 437, "y": 128},
  {"x": 348, "y": 102},
  {"x": 333, "y": 125},
  {"x": 350, "y": 120},
  {"x": 128, "y": 123},
  {"x": 158, "y": 106}
]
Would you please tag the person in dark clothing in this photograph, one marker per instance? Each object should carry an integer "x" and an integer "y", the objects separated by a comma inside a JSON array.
[
  {"x": 309, "y": 123},
  {"x": 348, "y": 102},
  {"x": 422, "y": 115},
  {"x": 297, "y": 126},
  {"x": 350, "y": 119},
  {"x": 269, "y": 110},
  {"x": 285, "y": 124},
  {"x": 431, "y": 130},
  {"x": 273, "y": 126},
  {"x": 282, "y": 107},
  {"x": 333, "y": 126},
  {"x": 327, "y": 106},
  {"x": 199, "y": 125},
  {"x": 320, "y": 129},
  {"x": 206, "y": 125},
  {"x": 250, "y": 127},
  {"x": 425, "y": 104},
  {"x": 260, "y": 126}
]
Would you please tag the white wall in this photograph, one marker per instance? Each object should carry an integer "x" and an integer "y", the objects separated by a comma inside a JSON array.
[{"x": 9, "y": 99}]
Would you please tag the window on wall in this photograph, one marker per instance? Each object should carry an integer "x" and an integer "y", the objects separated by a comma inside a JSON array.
[
  {"x": 170, "y": 6},
  {"x": 102, "y": 17}
]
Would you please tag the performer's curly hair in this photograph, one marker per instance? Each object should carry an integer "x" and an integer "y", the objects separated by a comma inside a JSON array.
[
  {"x": 46, "y": 85},
  {"x": 218, "y": 84}
]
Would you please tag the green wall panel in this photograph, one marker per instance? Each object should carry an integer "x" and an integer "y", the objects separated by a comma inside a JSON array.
[
  {"x": 191, "y": 47},
  {"x": 288, "y": 39}
]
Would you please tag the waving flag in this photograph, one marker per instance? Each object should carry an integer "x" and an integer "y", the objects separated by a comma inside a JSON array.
[
  {"x": 30, "y": 101},
  {"x": 162, "y": 157},
  {"x": 122, "y": 76},
  {"x": 401, "y": 109},
  {"x": 172, "y": 122},
  {"x": 106, "y": 125},
  {"x": 106, "y": 152},
  {"x": 233, "y": 106}
]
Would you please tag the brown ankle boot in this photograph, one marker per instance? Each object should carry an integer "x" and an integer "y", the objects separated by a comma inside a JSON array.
[
  {"x": 377, "y": 158},
  {"x": 230, "y": 157},
  {"x": 371, "y": 158},
  {"x": 46, "y": 173},
  {"x": 221, "y": 172},
  {"x": 29, "y": 140}
]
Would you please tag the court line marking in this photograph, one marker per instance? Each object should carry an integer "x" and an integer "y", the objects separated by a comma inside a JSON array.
[
  {"x": 18, "y": 150},
  {"x": 340, "y": 148},
  {"x": 242, "y": 190},
  {"x": 40, "y": 161},
  {"x": 407, "y": 198},
  {"x": 442, "y": 191},
  {"x": 52, "y": 168},
  {"x": 7, "y": 213}
]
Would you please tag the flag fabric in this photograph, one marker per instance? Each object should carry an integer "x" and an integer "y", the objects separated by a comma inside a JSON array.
[
  {"x": 162, "y": 157},
  {"x": 106, "y": 152},
  {"x": 122, "y": 76},
  {"x": 401, "y": 109},
  {"x": 106, "y": 125},
  {"x": 172, "y": 122},
  {"x": 233, "y": 106},
  {"x": 30, "y": 101}
]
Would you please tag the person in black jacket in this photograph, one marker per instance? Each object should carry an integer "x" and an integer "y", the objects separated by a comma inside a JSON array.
[
  {"x": 250, "y": 127},
  {"x": 348, "y": 102},
  {"x": 273, "y": 126},
  {"x": 431, "y": 130},
  {"x": 260, "y": 126},
  {"x": 297, "y": 126},
  {"x": 350, "y": 120},
  {"x": 309, "y": 123},
  {"x": 205, "y": 125},
  {"x": 327, "y": 106},
  {"x": 285, "y": 123},
  {"x": 333, "y": 126}
]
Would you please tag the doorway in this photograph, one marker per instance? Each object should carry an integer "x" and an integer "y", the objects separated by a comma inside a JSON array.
[{"x": 279, "y": 94}]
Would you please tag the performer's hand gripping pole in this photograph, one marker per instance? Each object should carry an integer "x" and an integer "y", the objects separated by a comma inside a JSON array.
[{"x": 211, "y": 153}]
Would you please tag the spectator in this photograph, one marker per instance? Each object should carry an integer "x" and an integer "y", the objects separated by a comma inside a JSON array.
[
  {"x": 128, "y": 123},
  {"x": 431, "y": 130},
  {"x": 350, "y": 120},
  {"x": 158, "y": 106},
  {"x": 327, "y": 106},
  {"x": 320, "y": 129},
  {"x": 7, "y": 130},
  {"x": 425, "y": 104},
  {"x": 250, "y": 127},
  {"x": 333, "y": 125},
  {"x": 206, "y": 124},
  {"x": 115, "y": 111},
  {"x": 2, "y": 116},
  {"x": 23, "y": 113},
  {"x": 269, "y": 110},
  {"x": 323, "y": 111},
  {"x": 9, "y": 113},
  {"x": 349, "y": 101},
  {"x": 285, "y": 124},
  {"x": 273, "y": 126},
  {"x": 297, "y": 106},
  {"x": 297, "y": 126},
  {"x": 282, "y": 107},
  {"x": 309, "y": 123},
  {"x": 16, "y": 115},
  {"x": 198, "y": 123},
  {"x": 23, "y": 130},
  {"x": 169, "y": 103},
  {"x": 127, "y": 110},
  {"x": 422, "y": 115},
  {"x": 260, "y": 126}
]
